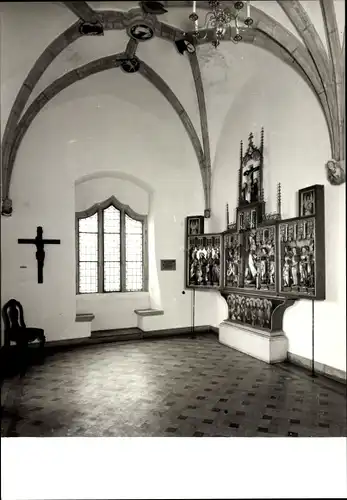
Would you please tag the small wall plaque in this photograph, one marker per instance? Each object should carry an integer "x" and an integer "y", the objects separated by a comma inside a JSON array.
[{"x": 168, "y": 265}]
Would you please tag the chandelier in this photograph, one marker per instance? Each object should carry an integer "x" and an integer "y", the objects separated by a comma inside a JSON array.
[{"x": 219, "y": 19}]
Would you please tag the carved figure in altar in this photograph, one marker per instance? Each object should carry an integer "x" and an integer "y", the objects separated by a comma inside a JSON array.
[
  {"x": 215, "y": 272},
  {"x": 204, "y": 268},
  {"x": 310, "y": 270},
  {"x": 303, "y": 266},
  {"x": 251, "y": 267},
  {"x": 193, "y": 267},
  {"x": 209, "y": 266},
  {"x": 243, "y": 309},
  {"x": 235, "y": 267},
  {"x": 272, "y": 265},
  {"x": 261, "y": 313},
  {"x": 255, "y": 190},
  {"x": 248, "y": 311},
  {"x": 268, "y": 306},
  {"x": 194, "y": 252},
  {"x": 250, "y": 184},
  {"x": 238, "y": 308},
  {"x": 231, "y": 306},
  {"x": 246, "y": 192},
  {"x": 286, "y": 271},
  {"x": 308, "y": 203},
  {"x": 230, "y": 270},
  {"x": 194, "y": 226},
  {"x": 263, "y": 265},
  {"x": 253, "y": 312},
  {"x": 201, "y": 252},
  {"x": 294, "y": 266},
  {"x": 198, "y": 274}
]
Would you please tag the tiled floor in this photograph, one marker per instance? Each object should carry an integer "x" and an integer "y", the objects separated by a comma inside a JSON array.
[{"x": 171, "y": 387}]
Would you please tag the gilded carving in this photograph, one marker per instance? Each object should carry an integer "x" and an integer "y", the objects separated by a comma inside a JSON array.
[
  {"x": 251, "y": 277},
  {"x": 254, "y": 311},
  {"x": 233, "y": 262},
  {"x": 262, "y": 254},
  {"x": 204, "y": 261},
  {"x": 297, "y": 240},
  {"x": 250, "y": 173},
  {"x": 266, "y": 257}
]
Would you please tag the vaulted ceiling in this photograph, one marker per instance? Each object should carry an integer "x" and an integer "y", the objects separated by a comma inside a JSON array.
[{"x": 318, "y": 60}]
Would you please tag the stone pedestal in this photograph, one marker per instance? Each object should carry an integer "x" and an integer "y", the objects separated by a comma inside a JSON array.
[{"x": 271, "y": 347}]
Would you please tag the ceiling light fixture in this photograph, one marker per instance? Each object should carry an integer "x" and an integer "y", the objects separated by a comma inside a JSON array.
[{"x": 219, "y": 19}]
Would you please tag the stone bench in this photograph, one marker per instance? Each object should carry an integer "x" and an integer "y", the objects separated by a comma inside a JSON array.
[
  {"x": 83, "y": 328},
  {"x": 146, "y": 318}
]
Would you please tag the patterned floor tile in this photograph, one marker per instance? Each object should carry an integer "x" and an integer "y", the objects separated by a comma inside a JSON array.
[{"x": 178, "y": 387}]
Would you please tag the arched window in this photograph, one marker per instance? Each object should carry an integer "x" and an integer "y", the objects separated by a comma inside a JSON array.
[{"x": 111, "y": 249}]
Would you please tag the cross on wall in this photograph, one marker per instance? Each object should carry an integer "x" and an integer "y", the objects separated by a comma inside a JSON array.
[{"x": 40, "y": 243}]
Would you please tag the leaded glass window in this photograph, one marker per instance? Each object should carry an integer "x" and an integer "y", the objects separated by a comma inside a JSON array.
[
  {"x": 88, "y": 254},
  {"x": 133, "y": 254},
  {"x": 111, "y": 249},
  {"x": 112, "y": 261}
]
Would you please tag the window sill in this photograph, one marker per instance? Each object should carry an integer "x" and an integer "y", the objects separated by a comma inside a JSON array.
[{"x": 118, "y": 295}]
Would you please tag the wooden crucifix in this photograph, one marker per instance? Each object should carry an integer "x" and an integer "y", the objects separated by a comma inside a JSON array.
[
  {"x": 40, "y": 252},
  {"x": 253, "y": 185}
]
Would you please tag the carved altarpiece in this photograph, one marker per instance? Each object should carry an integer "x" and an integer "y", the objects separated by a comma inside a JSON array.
[
  {"x": 251, "y": 249},
  {"x": 266, "y": 263},
  {"x": 204, "y": 261},
  {"x": 302, "y": 248}
]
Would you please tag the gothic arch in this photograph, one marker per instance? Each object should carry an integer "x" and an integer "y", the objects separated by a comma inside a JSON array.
[
  {"x": 309, "y": 61},
  {"x": 115, "y": 175},
  {"x": 88, "y": 69}
]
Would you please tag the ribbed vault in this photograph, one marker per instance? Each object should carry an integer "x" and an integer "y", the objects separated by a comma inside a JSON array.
[{"x": 323, "y": 72}]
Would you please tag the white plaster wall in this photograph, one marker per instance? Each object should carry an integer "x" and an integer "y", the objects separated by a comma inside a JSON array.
[
  {"x": 89, "y": 191},
  {"x": 296, "y": 149}
]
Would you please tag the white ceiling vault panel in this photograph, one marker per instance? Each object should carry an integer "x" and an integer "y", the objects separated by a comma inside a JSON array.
[
  {"x": 314, "y": 12},
  {"x": 217, "y": 70},
  {"x": 81, "y": 52},
  {"x": 125, "y": 6},
  {"x": 27, "y": 28},
  {"x": 274, "y": 10},
  {"x": 174, "y": 69},
  {"x": 340, "y": 9}
]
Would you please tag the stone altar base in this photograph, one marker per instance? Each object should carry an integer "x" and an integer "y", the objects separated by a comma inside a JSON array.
[{"x": 271, "y": 347}]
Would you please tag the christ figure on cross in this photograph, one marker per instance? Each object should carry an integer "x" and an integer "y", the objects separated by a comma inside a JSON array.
[
  {"x": 251, "y": 186},
  {"x": 40, "y": 243}
]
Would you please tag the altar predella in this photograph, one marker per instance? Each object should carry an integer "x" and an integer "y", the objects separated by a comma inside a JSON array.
[{"x": 261, "y": 264}]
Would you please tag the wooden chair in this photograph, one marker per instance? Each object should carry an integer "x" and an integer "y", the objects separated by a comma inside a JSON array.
[{"x": 16, "y": 331}]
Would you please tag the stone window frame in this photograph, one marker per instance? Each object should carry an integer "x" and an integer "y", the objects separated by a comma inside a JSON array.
[{"x": 124, "y": 210}]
